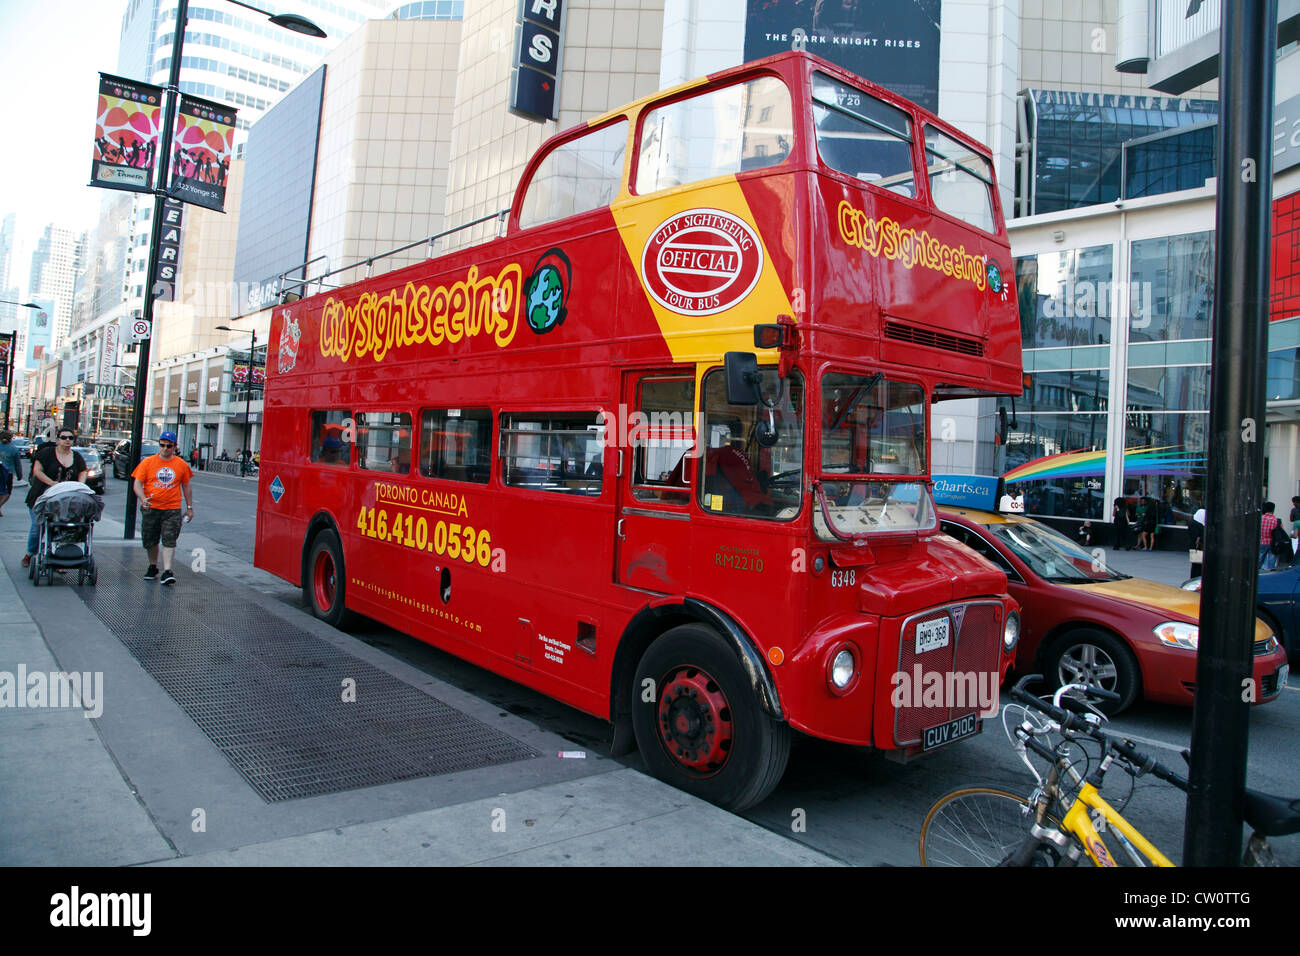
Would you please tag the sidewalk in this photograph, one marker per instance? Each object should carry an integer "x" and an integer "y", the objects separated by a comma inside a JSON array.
[{"x": 143, "y": 784}]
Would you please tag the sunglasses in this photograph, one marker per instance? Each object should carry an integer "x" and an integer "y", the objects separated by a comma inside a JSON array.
[
  {"x": 165, "y": 444},
  {"x": 66, "y": 437}
]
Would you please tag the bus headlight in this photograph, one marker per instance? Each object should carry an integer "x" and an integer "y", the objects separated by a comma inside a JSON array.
[
  {"x": 1178, "y": 634},
  {"x": 843, "y": 671},
  {"x": 1011, "y": 632}
]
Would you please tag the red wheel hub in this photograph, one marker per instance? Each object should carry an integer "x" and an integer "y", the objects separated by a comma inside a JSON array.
[
  {"x": 695, "y": 720},
  {"x": 323, "y": 580}
]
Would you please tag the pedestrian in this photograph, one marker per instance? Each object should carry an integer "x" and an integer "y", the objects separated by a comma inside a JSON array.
[
  {"x": 53, "y": 464},
  {"x": 11, "y": 466},
  {"x": 160, "y": 481},
  {"x": 1085, "y": 531},
  {"x": 1268, "y": 522},
  {"x": 1119, "y": 518},
  {"x": 1196, "y": 541},
  {"x": 194, "y": 458}
]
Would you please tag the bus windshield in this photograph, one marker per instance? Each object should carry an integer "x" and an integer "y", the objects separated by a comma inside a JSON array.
[{"x": 872, "y": 427}]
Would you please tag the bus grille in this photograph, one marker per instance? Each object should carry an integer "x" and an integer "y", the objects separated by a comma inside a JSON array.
[
  {"x": 972, "y": 655},
  {"x": 918, "y": 335}
]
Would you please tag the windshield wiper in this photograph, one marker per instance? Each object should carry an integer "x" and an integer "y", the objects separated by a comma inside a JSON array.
[{"x": 863, "y": 392}]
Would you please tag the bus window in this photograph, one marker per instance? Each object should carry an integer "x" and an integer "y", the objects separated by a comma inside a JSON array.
[
  {"x": 746, "y": 126},
  {"x": 553, "y": 451},
  {"x": 456, "y": 444},
  {"x": 329, "y": 437},
  {"x": 745, "y": 474},
  {"x": 872, "y": 426},
  {"x": 663, "y": 451},
  {"x": 961, "y": 181},
  {"x": 576, "y": 176},
  {"x": 384, "y": 441},
  {"x": 862, "y": 136}
]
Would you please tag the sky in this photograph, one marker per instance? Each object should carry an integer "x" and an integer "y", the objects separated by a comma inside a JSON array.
[{"x": 51, "y": 53}]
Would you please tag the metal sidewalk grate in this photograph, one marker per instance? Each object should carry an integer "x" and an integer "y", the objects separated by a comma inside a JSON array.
[{"x": 269, "y": 695}]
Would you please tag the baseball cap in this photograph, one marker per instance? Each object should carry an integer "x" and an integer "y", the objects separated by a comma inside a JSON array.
[{"x": 168, "y": 436}]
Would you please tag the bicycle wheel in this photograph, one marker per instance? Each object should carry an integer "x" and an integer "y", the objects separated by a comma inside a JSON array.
[{"x": 979, "y": 826}]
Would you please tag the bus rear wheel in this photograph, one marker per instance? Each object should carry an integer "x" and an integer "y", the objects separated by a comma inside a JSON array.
[
  {"x": 323, "y": 585},
  {"x": 699, "y": 725}
]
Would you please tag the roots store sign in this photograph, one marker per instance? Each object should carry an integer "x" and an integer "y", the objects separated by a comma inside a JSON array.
[{"x": 890, "y": 42}]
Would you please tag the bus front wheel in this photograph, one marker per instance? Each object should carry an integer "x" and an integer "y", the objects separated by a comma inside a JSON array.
[
  {"x": 323, "y": 584},
  {"x": 699, "y": 725}
]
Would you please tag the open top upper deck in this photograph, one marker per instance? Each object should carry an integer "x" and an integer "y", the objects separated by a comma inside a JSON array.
[{"x": 666, "y": 230}]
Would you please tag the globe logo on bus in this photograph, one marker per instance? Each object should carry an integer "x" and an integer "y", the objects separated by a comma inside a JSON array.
[
  {"x": 701, "y": 262},
  {"x": 546, "y": 291}
]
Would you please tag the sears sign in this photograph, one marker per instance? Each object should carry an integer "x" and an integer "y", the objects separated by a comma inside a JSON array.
[{"x": 534, "y": 76}]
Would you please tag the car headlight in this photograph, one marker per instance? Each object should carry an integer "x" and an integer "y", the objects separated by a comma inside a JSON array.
[
  {"x": 1178, "y": 634},
  {"x": 1011, "y": 632},
  {"x": 1192, "y": 584}
]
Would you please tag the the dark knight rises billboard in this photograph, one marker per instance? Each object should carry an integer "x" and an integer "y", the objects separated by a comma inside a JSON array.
[{"x": 891, "y": 42}]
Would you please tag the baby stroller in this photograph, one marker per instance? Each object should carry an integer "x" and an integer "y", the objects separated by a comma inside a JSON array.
[{"x": 65, "y": 517}]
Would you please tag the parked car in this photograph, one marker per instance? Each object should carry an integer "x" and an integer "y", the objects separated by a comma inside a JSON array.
[
  {"x": 122, "y": 456},
  {"x": 1082, "y": 621},
  {"x": 1277, "y": 603}
]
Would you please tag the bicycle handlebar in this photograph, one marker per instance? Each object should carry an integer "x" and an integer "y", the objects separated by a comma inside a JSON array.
[{"x": 1140, "y": 762}]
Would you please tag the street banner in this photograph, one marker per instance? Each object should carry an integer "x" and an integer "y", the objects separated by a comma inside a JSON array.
[
  {"x": 40, "y": 329},
  {"x": 202, "y": 145},
  {"x": 108, "y": 356},
  {"x": 192, "y": 396},
  {"x": 891, "y": 43},
  {"x": 7, "y": 340},
  {"x": 239, "y": 374},
  {"x": 126, "y": 134},
  {"x": 214, "y": 385}
]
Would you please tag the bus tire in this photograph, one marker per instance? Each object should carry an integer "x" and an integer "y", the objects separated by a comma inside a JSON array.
[
  {"x": 323, "y": 585},
  {"x": 698, "y": 724}
]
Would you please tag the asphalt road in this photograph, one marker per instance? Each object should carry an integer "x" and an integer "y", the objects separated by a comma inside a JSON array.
[{"x": 856, "y": 806}]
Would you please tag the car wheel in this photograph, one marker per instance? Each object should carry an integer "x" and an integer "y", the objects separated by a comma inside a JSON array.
[
  {"x": 1090, "y": 656},
  {"x": 699, "y": 725},
  {"x": 323, "y": 585}
]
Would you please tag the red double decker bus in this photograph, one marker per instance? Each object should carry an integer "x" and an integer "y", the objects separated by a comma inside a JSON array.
[{"x": 660, "y": 451}]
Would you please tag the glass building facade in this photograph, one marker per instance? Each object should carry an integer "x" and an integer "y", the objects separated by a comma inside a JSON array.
[
  {"x": 1116, "y": 365},
  {"x": 1073, "y": 143}
]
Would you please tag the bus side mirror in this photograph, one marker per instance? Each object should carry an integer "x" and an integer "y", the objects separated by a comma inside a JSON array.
[
  {"x": 741, "y": 369},
  {"x": 768, "y": 336}
]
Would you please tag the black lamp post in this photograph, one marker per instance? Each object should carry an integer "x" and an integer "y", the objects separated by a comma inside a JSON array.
[
  {"x": 247, "y": 455},
  {"x": 13, "y": 345},
  {"x": 287, "y": 21}
]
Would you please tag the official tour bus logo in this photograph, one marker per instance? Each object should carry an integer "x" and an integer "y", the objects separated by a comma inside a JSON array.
[{"x": 701, "y": 261}]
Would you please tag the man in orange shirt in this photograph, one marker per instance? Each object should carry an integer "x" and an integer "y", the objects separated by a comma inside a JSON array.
[{"x": 160, "y": 482}]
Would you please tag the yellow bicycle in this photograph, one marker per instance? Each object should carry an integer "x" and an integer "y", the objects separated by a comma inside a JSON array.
[{"x": 1062, "y": 821}]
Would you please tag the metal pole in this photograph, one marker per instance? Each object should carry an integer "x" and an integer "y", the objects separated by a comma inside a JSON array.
[
  {"x": 1234, "y": 483},
  {"x": 155, "y": 239}
]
